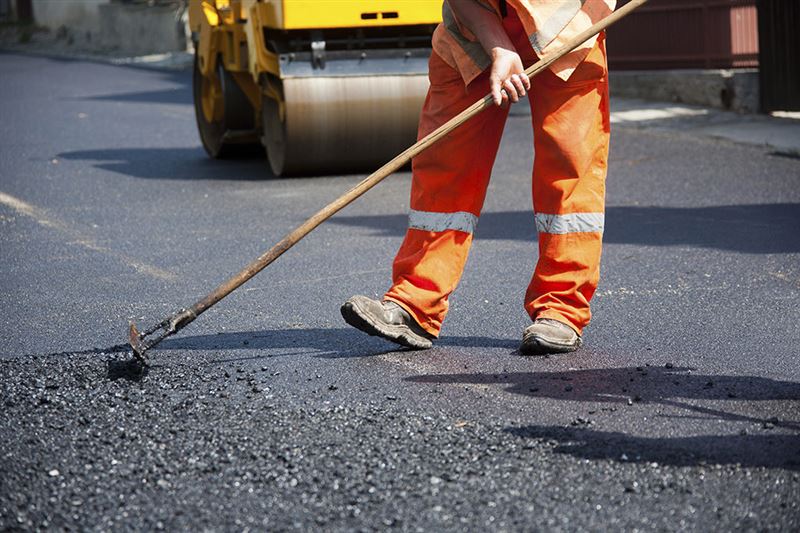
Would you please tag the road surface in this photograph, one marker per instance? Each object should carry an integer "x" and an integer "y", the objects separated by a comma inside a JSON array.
[{"x": 682, "y": 411}]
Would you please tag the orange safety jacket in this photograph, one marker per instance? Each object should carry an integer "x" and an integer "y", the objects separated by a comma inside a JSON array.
[{"x": 548, "y": 24}]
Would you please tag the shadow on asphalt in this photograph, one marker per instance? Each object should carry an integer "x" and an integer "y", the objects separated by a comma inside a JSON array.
[
  {"x": 330, "y": 343},
  {"x": 648, "y": 384},
  {"x": 753, "y": 228},
  {"x": 765, "y": 451},
  {"x": 247, "y": 163},
  {"x": 318, "y": 342},
  {"x": 177, "y": 163},
  {"x": 127, "y": 369},
  {"x": 679, "y": 388},
  {"x": 178, "y": 95},
  {"x": 181, "y": 94}
]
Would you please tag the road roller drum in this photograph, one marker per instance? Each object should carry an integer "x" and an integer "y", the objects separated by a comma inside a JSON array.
[{"x": 325, "y": 87}]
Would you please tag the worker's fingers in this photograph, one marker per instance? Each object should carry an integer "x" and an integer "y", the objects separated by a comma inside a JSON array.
[
  {"x": 497, "y": 93},
  {"x": 511, "y": 90},
  {"x": 526, "y": 81},
  {"x": 504, "y": 95},
  {"x": 516, "y": 79}
]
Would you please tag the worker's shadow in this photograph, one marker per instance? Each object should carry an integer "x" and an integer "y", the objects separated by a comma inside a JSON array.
[
  {"x": 676, "y": 394},
  {"x": 327, "y": 343},
  {"x": 759, "y": 450}
]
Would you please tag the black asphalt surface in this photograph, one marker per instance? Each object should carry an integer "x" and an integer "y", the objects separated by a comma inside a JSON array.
[{"x": 682, "y": 411}]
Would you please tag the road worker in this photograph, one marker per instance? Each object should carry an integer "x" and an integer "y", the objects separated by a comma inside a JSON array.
[{"x": 483, "y": 46}]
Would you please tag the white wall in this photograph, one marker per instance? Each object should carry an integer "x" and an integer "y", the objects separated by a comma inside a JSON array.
[
  {"x": 127, "y": 29},
  {"x": 141, "y": 29},
  {"x": 80, "y": 15}
]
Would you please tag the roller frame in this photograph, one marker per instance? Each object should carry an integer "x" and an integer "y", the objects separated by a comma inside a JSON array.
[{"x": 236, "y": 32}]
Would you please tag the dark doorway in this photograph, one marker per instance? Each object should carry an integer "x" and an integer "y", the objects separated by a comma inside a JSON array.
[{"x": 779, "y": 54}]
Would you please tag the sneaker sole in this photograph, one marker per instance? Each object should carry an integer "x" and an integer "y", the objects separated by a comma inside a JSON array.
[
  {"x": 539, "y": 346},
  {"x": 398, "y": 334}
]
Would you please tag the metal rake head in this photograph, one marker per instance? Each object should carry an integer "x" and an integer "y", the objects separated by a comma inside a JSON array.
[{"x": 141, "y": 342}]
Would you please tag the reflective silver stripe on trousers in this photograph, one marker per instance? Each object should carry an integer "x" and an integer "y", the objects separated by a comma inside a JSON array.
[
  {"x": 571, "y": 223},
  {"x": 430, "y": 221}
]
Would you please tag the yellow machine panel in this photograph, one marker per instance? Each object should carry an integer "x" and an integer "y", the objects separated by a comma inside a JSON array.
[{"x": 314, "y": 14}]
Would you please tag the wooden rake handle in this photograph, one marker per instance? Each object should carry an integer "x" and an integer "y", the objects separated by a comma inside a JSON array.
[{"x": 379, "y": 175}]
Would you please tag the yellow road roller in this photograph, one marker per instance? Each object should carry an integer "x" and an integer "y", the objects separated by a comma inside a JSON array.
[{"x": 324, "y": 85}]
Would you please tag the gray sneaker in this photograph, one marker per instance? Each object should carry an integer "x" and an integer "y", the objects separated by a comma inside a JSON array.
[
  {"x": 547, "y": 336},
  {"x": 387, "y": 320}
]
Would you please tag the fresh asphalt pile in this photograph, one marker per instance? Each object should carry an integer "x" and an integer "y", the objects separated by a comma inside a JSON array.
[{"x": 91, "y": 441}]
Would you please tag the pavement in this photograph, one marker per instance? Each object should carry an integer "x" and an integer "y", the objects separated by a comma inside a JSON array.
[
  {"x": 680, "y": 413},
  {"x": 780, "y": 134}
]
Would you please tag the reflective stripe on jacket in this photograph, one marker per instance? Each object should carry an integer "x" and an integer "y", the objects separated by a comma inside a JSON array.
[{"x": 548, "y": 23}]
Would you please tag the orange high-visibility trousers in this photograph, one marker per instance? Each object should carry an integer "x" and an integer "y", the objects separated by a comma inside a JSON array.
[{"x": 571, "y": 136}]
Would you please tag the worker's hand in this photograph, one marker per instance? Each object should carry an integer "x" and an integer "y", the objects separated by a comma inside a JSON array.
[{"x": 507, "y": 77}]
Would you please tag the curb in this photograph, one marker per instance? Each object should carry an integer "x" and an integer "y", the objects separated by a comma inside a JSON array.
[
  {"x": 727, "y": 89},
  {"x": 174, "y": 61}
]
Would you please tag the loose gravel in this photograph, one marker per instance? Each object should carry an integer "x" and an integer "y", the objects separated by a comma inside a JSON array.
[{"x": 90, "y": 442}]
